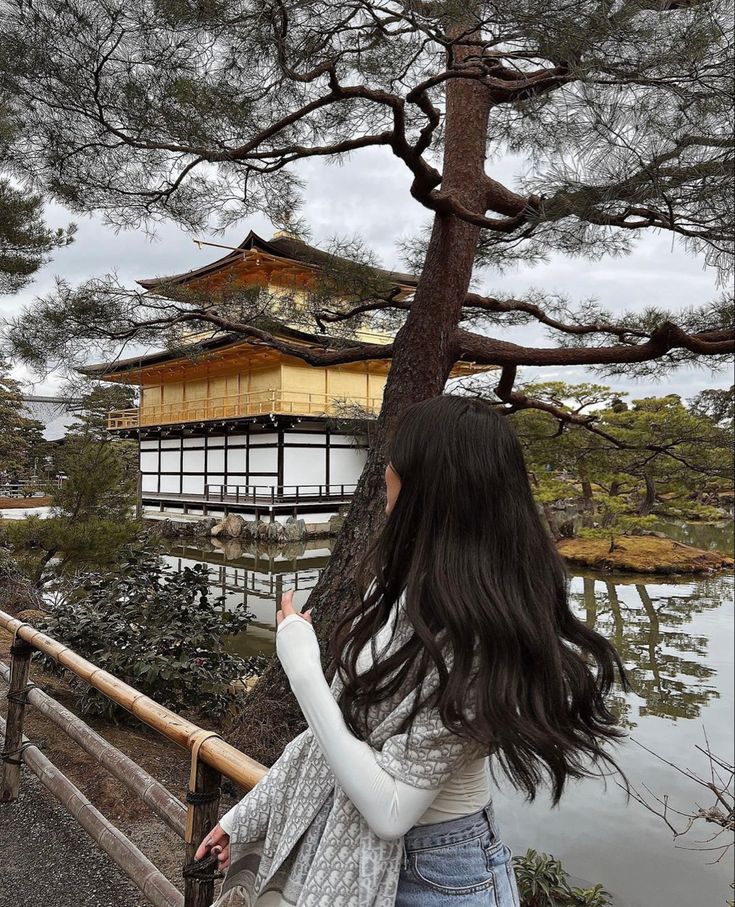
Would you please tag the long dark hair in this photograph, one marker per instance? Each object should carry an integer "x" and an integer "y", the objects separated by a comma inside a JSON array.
[{"x": 466, "y": 544}]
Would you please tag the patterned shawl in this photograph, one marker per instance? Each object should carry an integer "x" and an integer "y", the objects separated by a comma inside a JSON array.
[{"x": 297, "y": 833}]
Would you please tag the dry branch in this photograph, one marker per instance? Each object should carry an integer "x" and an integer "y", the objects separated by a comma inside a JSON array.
[{"x": 720, "y": 813}]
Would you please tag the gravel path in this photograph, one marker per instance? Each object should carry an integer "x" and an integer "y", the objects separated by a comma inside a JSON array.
[{"x": 48, "y": 860}]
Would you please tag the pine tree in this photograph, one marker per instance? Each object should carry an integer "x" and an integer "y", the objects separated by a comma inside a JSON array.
[
  {"x": 25, "y": 241},
  {"x": 620, "y": 113},
  {"x": 23, "y": 449},
  {"x": 92, "y": 517}
]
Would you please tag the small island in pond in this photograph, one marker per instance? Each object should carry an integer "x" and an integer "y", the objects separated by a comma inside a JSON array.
[{"x": 641, "y": 554}]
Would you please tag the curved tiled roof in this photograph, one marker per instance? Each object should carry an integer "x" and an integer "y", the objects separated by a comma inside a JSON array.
[
  {"x": 211, "y": 344},
  {"x": 282, "y": 246}
]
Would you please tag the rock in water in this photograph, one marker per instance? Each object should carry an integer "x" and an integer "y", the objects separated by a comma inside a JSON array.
[
  {"x": 249, "y": 530},
  {"x": 203, "y": 527},
  {"x": 275, "y": 532},
  {"x": 295, "y": 530},
  {"x": 230, "y": 527},
  {"x": 261, "y": 531}
]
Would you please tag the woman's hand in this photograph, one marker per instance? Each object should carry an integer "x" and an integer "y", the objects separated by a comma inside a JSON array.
[
  {"x": 217, "y": 842},
  {"x": 288, "y": 608},
  {"x": 296, "y": 644}
]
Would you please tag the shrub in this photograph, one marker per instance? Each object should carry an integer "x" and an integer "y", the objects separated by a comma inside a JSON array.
[
  {"x": 9, "y": 569},
  {"x": 45, "y": 549},
  {"x": 157, "y": 629},
  {"x": 543, "y": 882}
]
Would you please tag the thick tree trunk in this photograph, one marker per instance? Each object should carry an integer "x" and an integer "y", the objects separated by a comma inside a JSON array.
[
  {"x": 422, "y": 361},
  {"x": 587, "y": 505}
]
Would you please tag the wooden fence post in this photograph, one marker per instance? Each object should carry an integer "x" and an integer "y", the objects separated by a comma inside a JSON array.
[
  {"x": 203, "y": 815},
  {"x": 20, "y": 665}
]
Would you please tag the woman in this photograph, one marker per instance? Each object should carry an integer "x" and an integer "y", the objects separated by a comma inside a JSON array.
[{"x": 463, "y": 648}]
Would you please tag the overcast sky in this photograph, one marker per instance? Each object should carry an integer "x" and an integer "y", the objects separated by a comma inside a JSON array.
[{"x": 369, "y": 197}]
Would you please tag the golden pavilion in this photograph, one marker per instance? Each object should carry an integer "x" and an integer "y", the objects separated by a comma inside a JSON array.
[{"x": 228, "y": 424}]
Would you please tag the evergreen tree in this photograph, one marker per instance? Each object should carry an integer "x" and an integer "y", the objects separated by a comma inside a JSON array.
[
  {"x": 93, "y": 507},
  {"x": 717, "y": 404},
  {"x": 620, "y": 115},
  {"x": 25, "y": 240},
  {"x": 23, "y": 449},
  {"x": 618, "y": 462}
]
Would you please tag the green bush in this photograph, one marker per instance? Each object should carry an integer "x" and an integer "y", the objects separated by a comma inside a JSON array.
[
  {"x": 543, "y": 882},
  {"x": 157, "y": 629},
  {"x": 46, "y": 549}
]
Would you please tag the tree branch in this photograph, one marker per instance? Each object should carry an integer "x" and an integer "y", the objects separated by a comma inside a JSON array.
[
  {"x": 319, "y": 352},
  {"x": 517, "y": 400},
  {"x": 667, "y": 337}
]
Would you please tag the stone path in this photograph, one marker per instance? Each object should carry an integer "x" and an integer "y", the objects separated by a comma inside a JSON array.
[{"x": 48, "y": 860}]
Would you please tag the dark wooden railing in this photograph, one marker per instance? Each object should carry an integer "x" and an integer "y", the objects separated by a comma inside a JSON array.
[
  {"x": 211, "y": 758},
  {"x": 277, "y": 494}
]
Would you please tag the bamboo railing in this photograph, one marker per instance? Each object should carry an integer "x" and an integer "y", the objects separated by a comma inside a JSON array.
[
  {"x": 155, "y": 886},
  {"x": 211, "y": 758},
  {"x": 255, "y": 403}
]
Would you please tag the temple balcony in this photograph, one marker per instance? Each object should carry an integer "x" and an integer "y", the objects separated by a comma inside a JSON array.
[{"x": 256, "y": 403}]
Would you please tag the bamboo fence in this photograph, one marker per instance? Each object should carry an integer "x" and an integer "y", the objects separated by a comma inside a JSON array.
[
  {"x": 159, "y": 800},
  {"x": 150, "y": 880},
  {"x": 211, "y": 758}
]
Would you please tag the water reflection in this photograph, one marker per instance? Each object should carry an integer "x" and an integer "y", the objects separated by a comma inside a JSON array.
[
  {"x": 647, "y": 624},
  {"x": 717, "y": 536},
  {"x": 256, "y": 576}
]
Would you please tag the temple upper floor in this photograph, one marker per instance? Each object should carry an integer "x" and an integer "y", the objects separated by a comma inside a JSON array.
[
  {"x": 286, "y": 280},
  {"x": 238, "y": 380},
  {"x": 210, "y": 377}
]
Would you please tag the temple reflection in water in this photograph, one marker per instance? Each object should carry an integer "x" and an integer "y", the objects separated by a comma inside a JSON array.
[
  {"x": 649, "y": 623},
  {"x": 257, "y": 577}
]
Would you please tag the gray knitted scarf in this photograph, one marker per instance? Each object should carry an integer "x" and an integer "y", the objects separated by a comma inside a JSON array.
[{"x": 297, "y": 833}]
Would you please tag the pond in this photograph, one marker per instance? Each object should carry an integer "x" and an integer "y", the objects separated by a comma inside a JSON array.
[{"x": 676, "y": 639}]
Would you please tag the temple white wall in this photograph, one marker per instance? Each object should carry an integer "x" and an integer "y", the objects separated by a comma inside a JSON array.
[{"x": 186, "y": 465}]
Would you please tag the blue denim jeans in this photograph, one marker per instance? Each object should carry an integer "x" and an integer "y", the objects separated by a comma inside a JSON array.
[{"x": 459, "y": 863}]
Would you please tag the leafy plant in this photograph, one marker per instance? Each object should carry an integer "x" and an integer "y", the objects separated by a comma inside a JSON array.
[
  {"x": 46, "y": 549},
  {"x": 157, "y": 629},
  {"x": 543, "y": 882}
]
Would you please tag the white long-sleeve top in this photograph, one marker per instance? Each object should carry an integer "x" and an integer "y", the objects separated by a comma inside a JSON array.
[{"x": 390, "y": 806}]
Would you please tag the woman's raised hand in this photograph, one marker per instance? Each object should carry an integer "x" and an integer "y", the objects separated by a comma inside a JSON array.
[
  {"x": 288, "y": 608},
  {"x": 296, "y": 643}
]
